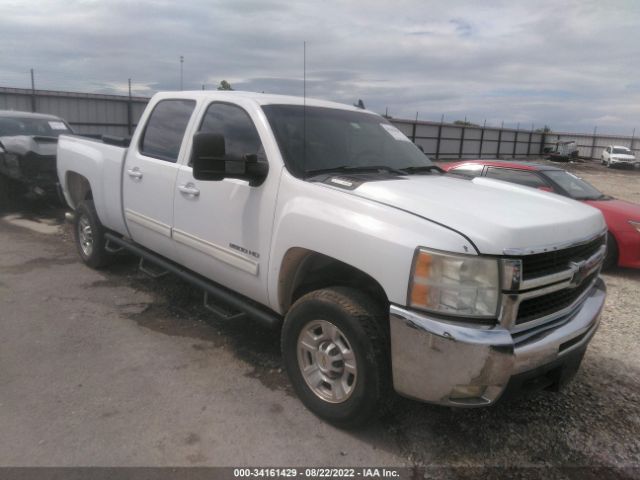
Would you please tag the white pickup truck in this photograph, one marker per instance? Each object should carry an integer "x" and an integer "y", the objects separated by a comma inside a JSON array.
[{"x": 324, "y": 220}]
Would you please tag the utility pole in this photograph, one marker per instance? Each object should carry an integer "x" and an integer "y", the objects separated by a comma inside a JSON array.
[
  {"x": 129, "y": 112},
  {"x": 181, "y": 71},
  {"x": 33, "y": 92}
]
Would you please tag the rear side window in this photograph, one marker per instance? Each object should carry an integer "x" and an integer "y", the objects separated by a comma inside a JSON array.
[
  {"x": 240, "y": 135},
  {"x": 528, "y": 179},
  {"x": 471, "y": 170},
  {"x": 165, "y": 129}
]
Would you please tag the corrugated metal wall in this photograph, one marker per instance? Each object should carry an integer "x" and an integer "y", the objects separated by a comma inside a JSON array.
[
  {"x": 118, "y": 115},
  {"x": 87, "y": 113}
]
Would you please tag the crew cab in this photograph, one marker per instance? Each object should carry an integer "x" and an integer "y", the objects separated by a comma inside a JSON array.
[{"x": 325, "y": 221}]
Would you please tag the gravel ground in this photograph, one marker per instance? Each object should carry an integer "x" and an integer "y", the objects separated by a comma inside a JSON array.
[{"x": 594, "y": 422}]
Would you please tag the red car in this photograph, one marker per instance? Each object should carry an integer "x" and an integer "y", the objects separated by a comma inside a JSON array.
[{"x": 623, "y": 218}]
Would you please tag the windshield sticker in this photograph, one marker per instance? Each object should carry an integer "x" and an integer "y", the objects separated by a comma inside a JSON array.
[
  {"x": 394, "y": 132},
  {"x": 57, "y": 126},
  {"x": 355, "y": 125}
]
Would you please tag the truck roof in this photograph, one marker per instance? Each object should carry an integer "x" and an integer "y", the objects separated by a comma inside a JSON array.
[
  {"x": 21, "y": 114},
  {"x": 259, "y": 98}
]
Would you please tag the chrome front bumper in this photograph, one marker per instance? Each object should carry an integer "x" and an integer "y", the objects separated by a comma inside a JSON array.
[{"x": 460, "y": 364}]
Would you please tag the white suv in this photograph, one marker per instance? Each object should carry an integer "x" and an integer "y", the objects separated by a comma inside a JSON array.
[{"x": 618, "y": 155}]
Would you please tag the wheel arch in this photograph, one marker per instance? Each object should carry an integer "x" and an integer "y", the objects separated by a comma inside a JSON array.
[
  {"x": 78, "y": 188},
  {"x": 303, "y": 270}
]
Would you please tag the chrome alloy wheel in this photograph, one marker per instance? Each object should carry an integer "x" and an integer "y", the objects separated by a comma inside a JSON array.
[
  {"x": 85, "y": 235},
  {"x": 327, "y": 361}
]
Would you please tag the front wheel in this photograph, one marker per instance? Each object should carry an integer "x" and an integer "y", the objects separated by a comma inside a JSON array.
[
  {"x": 335, "y": 346},
  {"x": 89, "y": 236}
]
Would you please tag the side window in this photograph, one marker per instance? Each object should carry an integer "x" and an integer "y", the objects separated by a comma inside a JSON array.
[
  {"x": 240, "y": 135},
  {"x": 165, "y": 129},
  {"x": 528, "y": 179},
  {"x": 471, "y": 170}
]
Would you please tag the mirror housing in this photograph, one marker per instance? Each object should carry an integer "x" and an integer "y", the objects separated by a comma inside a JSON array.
[{"x": 211, "y": 163}]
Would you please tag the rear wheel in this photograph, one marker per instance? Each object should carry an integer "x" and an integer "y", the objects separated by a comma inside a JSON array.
[
  {"x": 611, "y": 259},
  {"x": 89, "y": 236},
  {"x": 335, "y": 346}
]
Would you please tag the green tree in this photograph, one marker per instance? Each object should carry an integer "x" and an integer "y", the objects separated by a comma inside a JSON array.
[
  {"x": 224, "y": 85},
  {"x": 465, "y": 123},
  {"x": 545, "y": 129}
]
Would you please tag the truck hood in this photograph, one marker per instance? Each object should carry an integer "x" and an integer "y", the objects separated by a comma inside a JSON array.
[
  {"x": 494, "y": 215},
  {"x": 23, "y": 144}
]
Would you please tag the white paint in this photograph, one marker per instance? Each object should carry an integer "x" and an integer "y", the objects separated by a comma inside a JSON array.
[{"x": 375, "y": 228}]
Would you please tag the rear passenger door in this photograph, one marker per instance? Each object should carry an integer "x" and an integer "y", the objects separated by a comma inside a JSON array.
[{"x": 150, "y": 173}]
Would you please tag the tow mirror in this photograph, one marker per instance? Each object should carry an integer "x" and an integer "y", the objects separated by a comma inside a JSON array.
[{"x": 211, "y": 162}]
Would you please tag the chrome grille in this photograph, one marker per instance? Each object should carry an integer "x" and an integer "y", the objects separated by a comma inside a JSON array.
[
  {"x": 544, "y": 305},
  {"x": 547, "y": 263},
  {"x": 542, "y": 287}
]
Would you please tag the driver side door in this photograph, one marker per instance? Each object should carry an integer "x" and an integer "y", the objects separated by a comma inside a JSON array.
[{"x": 222, "y": 229}]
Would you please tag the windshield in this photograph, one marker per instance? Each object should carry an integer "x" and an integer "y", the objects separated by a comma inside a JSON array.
[
  {"x": 574, "y": 186},
  {"x": 622, "y": 150},
  {"x": 339, "y": 139},
  {"x": 13, "y": 126}
]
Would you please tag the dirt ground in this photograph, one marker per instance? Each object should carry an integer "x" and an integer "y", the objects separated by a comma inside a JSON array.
[{"x": 113, "y": 368}]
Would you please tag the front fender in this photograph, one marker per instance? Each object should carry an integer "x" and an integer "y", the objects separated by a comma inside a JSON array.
[{"x": 377, "y": 239}]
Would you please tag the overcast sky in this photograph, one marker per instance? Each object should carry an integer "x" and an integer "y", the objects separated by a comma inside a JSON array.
[{"x": 569, "y": 64}]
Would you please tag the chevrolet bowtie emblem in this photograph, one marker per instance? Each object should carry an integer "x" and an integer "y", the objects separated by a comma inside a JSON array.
[{"x": 580, "y": 271}]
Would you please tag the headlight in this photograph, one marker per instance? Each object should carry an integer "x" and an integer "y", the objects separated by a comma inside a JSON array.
[
  {"x": 635, "y": 225},
  {"x": 450, "y": 284}
]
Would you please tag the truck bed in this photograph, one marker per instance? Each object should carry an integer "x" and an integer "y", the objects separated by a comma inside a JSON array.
[{"x": 101, "y": 164}]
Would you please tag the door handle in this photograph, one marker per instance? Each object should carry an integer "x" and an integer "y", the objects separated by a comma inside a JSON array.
[
  {"x": 189, "y": 189},
  {"x": 134, "y": 172}
]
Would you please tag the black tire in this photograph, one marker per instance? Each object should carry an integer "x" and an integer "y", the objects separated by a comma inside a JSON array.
[
  {"x": 8, "y": 192},
  {"x": 85, "y": 215},
  {"x": 611, "y": 260},
  {"x": 364, "y": 325},
  {"x": 4, "y": 192}
]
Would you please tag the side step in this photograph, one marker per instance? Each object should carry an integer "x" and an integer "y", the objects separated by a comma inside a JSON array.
[
  {"x": 220, "y": 311},
  {"x": 236, "y": 306},
  {"x": 150, "y": 269},
  {"x": 112, "y": 248}
]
